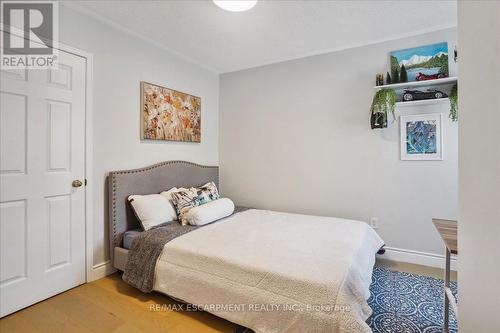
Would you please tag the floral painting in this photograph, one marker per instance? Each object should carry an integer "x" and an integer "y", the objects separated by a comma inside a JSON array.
[
  {"x": 421, "y": 137},
  {"x": 169, "y": 115},
  {"x": 430, "y": 60}
]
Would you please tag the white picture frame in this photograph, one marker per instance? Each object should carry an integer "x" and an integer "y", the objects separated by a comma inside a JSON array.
[{"x": 422, "y": 137}]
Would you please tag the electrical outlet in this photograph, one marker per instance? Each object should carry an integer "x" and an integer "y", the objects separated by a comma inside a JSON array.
[{"x": 374, "y": 222}]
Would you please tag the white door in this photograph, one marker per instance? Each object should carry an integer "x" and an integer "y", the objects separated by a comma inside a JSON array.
[{"x": 42, "y": 148}]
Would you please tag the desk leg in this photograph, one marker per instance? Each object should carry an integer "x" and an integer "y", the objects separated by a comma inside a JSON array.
[{"x": 446, "y": 300}]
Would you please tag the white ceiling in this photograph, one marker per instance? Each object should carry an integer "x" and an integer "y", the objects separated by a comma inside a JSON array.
[{"x": 272, "y": 31}]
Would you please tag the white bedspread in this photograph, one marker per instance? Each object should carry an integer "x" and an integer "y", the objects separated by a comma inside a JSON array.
[{"x": 275, "y": 272}]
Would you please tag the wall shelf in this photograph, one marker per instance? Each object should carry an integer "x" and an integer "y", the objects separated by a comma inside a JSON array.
[
  {"x": 414, "y": 84},
  {"x": 423, "y": 102}
]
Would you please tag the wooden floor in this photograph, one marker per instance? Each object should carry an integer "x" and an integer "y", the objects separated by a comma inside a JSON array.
[{"x": 111, "y": 305}]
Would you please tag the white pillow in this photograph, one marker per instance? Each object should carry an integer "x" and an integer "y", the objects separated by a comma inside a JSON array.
[
  {"x": 152, "y": 209},
  {"x": 209, "y": 212}
]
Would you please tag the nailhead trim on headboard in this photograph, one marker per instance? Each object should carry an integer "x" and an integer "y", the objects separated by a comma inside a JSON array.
[{"x": 148, "y": 168}]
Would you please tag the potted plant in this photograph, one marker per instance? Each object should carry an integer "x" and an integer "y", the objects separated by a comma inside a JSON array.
[{"x": 383, "y": 102}]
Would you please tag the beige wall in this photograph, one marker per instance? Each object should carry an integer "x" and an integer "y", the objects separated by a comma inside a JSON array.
[
  {"x": 479, "y": 166},
  {"x": 121, "y": 61},
  {"x": 295, "y": 136}
]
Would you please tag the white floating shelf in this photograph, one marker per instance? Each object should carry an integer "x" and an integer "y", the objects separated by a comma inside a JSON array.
[
  {"x": 419, "y": 83},
  {"x": 423, "y": 102}
]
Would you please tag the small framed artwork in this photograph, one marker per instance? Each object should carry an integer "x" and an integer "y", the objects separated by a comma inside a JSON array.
[
  {"x": 422, "y": 137},
  {"x": 169, "y": 115}
]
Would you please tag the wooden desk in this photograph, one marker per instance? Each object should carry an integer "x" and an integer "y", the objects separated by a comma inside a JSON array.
[{"x": 447, "y": 229}]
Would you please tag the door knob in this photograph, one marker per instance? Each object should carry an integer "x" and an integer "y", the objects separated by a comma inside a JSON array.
[{"x": 76, "y": 183}]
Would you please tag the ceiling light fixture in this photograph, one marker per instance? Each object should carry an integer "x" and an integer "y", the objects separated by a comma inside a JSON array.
[{"x": 236, "y": 5}]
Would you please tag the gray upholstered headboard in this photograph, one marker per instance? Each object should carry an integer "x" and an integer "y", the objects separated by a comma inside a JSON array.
[{"x": 152, "y": 179}]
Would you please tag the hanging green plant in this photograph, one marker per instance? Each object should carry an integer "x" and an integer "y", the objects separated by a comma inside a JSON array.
[
  {"x": 383, "y": 102},
  {"x": 454, "y": 103}
]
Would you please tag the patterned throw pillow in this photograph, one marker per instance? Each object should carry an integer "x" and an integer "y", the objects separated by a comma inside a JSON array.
[{"x": 193, "y": 197}]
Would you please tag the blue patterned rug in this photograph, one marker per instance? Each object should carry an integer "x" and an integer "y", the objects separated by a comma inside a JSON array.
[
  {"x": 404, "y": 303},
  {"x": 407, "y": 303}
]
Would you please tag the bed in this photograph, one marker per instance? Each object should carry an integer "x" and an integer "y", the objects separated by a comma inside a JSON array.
[{"x": 265, "y": 270}]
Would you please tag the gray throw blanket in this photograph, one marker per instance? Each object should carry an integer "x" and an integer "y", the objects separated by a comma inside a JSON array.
[{"x": 147, "y": 247}]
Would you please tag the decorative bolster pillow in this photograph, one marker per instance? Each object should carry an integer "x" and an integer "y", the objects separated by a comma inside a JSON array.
[{"x": 210, "y": 212}]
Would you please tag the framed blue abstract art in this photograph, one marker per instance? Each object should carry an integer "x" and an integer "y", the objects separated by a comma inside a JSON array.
[{"x": 421, "y": 137}]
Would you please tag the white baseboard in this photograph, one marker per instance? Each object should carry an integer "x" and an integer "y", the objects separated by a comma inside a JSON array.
[
  {"x": 417, "y": 257},
  {"x": 101, "y": 270}
]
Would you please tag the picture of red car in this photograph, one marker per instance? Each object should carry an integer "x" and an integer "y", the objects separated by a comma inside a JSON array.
[{"x": 424, "y": 77}]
